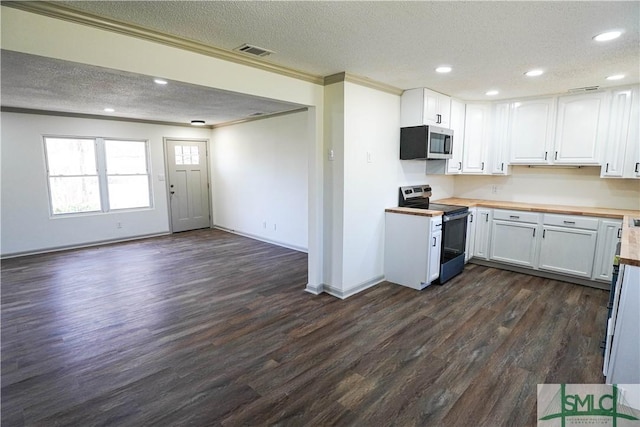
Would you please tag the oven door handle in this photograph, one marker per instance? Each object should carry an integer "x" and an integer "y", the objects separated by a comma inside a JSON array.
[{"x": 447, "y": 218}]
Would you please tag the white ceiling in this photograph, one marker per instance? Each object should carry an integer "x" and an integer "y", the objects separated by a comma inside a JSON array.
[{"x": 489, "y": 44}]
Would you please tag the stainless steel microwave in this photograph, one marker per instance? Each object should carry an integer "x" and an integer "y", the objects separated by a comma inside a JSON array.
[{"x": 425, "y": 142}]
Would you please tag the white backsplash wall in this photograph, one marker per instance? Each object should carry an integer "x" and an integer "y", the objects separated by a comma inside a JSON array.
[
  {"x": 552, "y": 185},
  {"x": 413, "y": 172}
]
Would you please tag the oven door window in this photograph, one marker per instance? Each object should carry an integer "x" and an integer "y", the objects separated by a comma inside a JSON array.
[{"x": 454, "y": 238}]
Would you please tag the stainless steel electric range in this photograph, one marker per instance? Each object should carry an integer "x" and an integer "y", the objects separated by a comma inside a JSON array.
[{"x": 454, "y": 228}]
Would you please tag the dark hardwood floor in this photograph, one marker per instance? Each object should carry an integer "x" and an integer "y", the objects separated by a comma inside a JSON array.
[{"x": 207, "y": 328}]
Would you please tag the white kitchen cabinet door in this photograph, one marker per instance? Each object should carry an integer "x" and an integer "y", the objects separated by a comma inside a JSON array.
[
  {"x": 568, "y": 250},
  {"x": 434, "y": 256},
  {"x": 513, "y": 242},
  {"x": 608, "y": 237},
  {"x": 618, "y": 134},
  {"x": 531, "y": 131},
  {"x": 471, "y": 234},
  {"x": 454, "y": 164},
  {"x": 424, "y": 107},
  {"x": 437, "y": 109},
  {"x": 482, "y": 233},
  {"x": 500, "y": 142},
  {"x": 581, "y": 128},
  {"x": 477, "y": 135}
]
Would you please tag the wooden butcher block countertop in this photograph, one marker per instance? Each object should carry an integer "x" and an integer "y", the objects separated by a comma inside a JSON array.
[{"x": 414, "y": 211}]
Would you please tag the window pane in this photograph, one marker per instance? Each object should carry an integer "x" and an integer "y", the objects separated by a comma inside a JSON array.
[
  {"x": 128, "y": 192},
  {"x": 71, "y": 156},
  {"x": 74, "y": 194},
  {"x": 178, "y": 152},
  {"x": 195, "y": 156},
  {"x": 126, "y": 157}
]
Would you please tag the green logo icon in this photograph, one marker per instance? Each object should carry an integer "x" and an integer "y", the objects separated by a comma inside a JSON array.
[{"x": 584, "y": 402}]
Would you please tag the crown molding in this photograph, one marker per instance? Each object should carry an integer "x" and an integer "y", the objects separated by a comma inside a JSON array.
[
  {"x": 57, "y": 11},
  {"x": 362, "y": 81}
]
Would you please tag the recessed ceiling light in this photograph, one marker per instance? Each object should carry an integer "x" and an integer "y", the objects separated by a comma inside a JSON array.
[
  {"x": 160, "y": 81},
  {"x": 609, "y": 35},
  {"x": 616, "y": 77},
  {"x": 109, "y": 110},
  {"x": 197, "y": 122},
  {"x": 443, "y": 69},
  {"x": 534, "y": 73},
  {"x": 492, "y": 92}
]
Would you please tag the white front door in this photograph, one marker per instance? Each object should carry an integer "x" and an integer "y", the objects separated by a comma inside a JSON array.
[{"x": 188, "y": 184}]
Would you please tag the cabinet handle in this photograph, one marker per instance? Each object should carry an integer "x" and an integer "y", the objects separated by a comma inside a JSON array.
[
  {"x": 534, "y": 232},
  {"x": 570, "y": 222},
  {"x": 439, "y": 120},
  {"x": 482, "y": 165},
  {"x": 434, "y": 242},
  {"x": 607, "y": 169},
  {"x": 619, "y": 233},
  {"x": 502, "y": 167},
  {"x": 545, "y": 155},
  {"x": 487, "y": 219},
  {"x": 637, "y": 165},
  {"x": 543, "y": 233},
  {"x": 459, "y": 166},
  {"x": 556, "y": 158},
  {"x": 514, "y": 217},
  {"x": 470, "y": 217}
]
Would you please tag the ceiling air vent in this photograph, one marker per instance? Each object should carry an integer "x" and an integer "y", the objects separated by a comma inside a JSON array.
[
  {"x": 584, "y": 89},
  {"x": 254, "y": 50}
]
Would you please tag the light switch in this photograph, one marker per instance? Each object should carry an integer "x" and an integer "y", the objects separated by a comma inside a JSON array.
[
  {"x": 369, "y": 160},
  {"x": 160, "y": 177}
]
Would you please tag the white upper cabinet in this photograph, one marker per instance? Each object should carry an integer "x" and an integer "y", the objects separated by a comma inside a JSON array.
[
  {"x": 619, "y": 125},
  {"x": 531, "y": 131},
  {"x": 477, "y": 136},
  {"x": 581, "y": 128},
  {"x": 425, "y": 107},
  {"x": 454, "y": 164},
  {"x": 500, "y": 140}
]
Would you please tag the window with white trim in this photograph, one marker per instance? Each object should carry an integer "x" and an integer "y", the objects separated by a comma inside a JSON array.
[{"x": 97, "y": 175}]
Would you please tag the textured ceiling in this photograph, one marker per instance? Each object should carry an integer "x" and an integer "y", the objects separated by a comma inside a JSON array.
[
  {"x": 35, "y": 82},
  {"x": 489, "y": 45}
]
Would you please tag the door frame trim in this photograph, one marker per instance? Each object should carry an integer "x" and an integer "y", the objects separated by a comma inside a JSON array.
[{"x": 165, "y": 141}]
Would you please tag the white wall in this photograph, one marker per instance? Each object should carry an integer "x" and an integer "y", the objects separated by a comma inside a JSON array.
[
  {"x": 26, "y": 222},
  {"x": 371, "y": 147},
  {"x": 561, "y": 186},
  {"x": 259, "y": 184}
]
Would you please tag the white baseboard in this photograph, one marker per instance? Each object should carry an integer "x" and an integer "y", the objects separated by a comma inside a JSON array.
[{"x": 262, "y": 239}]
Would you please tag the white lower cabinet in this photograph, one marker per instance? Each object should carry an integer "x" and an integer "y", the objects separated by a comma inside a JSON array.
[
  {"x": 513, "y": 237},
  {"x": 608, "y": 237},
  {"x": 412, "y": 249},
  {"x": 570, "y": 245},
  {"x": 482, "y": 233},
  {"x": 568, "y": 251},
  {"x": 513, "y": 242}
]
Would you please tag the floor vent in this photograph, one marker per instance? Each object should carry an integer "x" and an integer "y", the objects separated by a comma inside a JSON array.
[
  {"x": 584, "y": 89},
  {"x": 253, "y": 50}
]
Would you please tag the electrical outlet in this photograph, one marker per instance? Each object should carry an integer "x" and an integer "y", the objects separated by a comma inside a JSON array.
[
  {"x": 264, "y": 224},
  {"x": 118, "y": 225},
  {"x": 494, "y": 189},
  {"x": 274, "y": 227}
]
